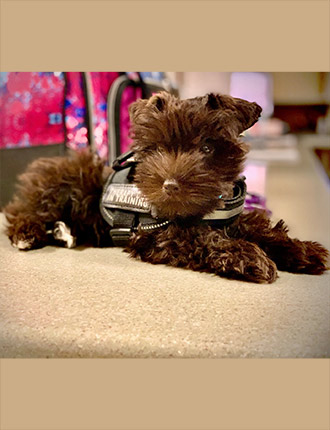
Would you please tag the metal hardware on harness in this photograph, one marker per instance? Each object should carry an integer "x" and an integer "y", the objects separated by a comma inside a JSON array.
[
  {"x": 147, "y": 227},
  {"x": 127, "y": 157}
]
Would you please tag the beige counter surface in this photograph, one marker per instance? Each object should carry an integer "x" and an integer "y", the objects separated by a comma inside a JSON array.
[
  {"x": 56, "y": 302},
  {"x": 300, "y": 192}
]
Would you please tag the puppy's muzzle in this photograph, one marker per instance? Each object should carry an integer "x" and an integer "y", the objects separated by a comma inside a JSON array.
[{"x": 170, "y": 186}]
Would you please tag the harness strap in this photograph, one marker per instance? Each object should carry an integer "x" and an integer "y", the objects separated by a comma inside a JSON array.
[{"x": 233, "y": 207}]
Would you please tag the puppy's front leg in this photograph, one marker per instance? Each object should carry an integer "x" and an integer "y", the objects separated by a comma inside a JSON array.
[
  {"x": 205, "y": 250},
  {"x": 238, "y": 259}
]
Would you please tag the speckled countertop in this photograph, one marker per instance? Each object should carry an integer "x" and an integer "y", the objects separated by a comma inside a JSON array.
[{"x": 87, "y": 302}]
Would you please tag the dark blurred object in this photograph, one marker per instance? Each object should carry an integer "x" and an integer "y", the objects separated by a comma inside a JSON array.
[
  {"x": 14, "y": 161},
  {"x": 300, "y": 117},
  {"x": 323, "y": 155},
  {"x": 323, "y": 124}
]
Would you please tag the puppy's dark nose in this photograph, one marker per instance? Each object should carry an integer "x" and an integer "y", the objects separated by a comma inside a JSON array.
[{"x": 170, "y": 186}]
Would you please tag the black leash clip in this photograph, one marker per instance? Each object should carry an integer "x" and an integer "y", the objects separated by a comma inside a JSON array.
[{"x": 124, "y": 160}]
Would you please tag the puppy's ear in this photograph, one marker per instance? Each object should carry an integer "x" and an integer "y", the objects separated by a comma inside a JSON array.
[
  {"x": 136, "y": 107},
  {"x": 213, "y": 101},
  {"x": 245, "y": 113},
  {"x": 248, "y": 114},
  {"x": 158, "y": 100}
]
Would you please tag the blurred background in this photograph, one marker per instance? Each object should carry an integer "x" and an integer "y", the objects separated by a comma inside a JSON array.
[{"x": 45, "y": 113}]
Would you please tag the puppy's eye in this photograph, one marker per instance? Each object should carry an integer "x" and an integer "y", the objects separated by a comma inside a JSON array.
[{"x": 207, "y": 148}]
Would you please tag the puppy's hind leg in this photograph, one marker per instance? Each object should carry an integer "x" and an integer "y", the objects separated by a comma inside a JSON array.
[
  {"x": 291, "y": 255},
  {"x": 62, "y": 233}
]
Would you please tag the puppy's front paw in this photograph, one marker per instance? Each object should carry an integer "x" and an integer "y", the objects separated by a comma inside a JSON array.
[
  {"x": 23, "y": 244},
  {"x": 259, "y": 268},
  {"x": 245, "y": 261},
  {"x": 62, "y": 232},
  {"x": 263, "y": 272}
]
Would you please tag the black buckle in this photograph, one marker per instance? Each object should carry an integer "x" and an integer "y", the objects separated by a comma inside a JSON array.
[
  {"x": 120, "y": 236},
  {"x": 124, "y": 161}
]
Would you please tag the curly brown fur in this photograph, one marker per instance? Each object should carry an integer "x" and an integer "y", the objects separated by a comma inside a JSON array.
[
  {"x": 55, "y": 189},
  {"x": 204, "y": 249},
  {"x": 188, "y": 152}
]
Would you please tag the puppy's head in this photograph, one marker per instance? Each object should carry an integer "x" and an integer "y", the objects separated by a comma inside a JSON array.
[{"x": 189, "y": 151}]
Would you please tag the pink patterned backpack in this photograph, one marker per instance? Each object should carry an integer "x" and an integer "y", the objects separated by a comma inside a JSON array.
[{"x": 43, "y": 108}]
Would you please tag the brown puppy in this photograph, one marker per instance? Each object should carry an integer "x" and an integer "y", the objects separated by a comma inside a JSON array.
[{"x": 187, "y": 153}]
